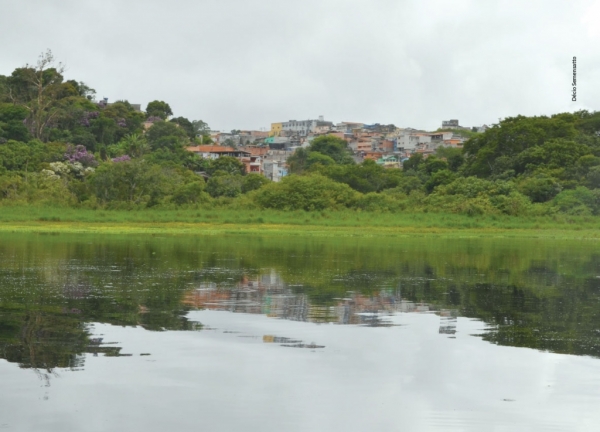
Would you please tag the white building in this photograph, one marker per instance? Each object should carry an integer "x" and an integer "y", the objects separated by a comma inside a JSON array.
[
  {"x": 274, "y": 169},
  {"x": 348, "y": 127},
  {"x": 304, "y": 127},
  {"x": 409, "y": 139}
]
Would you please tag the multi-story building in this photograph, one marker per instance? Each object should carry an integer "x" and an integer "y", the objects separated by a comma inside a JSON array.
[
  {"x": 215, "y": 151},
  {"x": 274, "y": 169},
  {"x": 303, "y": 127},
  {"x": 450, "y": 124},
  {"x": 276, "y": 129},
  {"x": 348, "y": 127},
  {"x": 411, "y": 138}
]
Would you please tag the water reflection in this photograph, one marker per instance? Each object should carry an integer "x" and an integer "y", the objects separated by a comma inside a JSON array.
[
  {"x": 54, "y": 287},
  {"x": 386, "y": 330},
  {"x": 269, "y": 295}
]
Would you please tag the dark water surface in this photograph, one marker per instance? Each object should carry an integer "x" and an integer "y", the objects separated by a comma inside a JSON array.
[{"x": 149, "y": 333}]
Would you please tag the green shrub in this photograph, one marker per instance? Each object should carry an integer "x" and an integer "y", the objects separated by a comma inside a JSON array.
[
  {"x": 540, "y": 188},
  {"x": 252, "y": 182},
  {"x": 378, "y": 202},
  {"x": 442, "y": 177},
  {"x": 472, "y": 187},
  {"x": 135, "y": 181},
  {"x": 225, "y": 186},
  {"x": 312, "y": 192},
  {"x": 190, "y": 193},
  {"x": 579, "y": 201},
  {"x": 10, "y": 186}
]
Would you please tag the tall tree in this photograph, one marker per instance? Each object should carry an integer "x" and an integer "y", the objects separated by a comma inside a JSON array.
[
  {"x": 186, "y": 125},
  {"x": 37, "y": 88},
  {"x": 334, "y": 147},
  {"x": 201, "y": 128},
  {"x": 159, "y": 109},
  {"x": 166, "y": 135}
]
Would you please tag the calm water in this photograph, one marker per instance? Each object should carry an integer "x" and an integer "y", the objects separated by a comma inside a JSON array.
[{"x": 109, "y": 333}]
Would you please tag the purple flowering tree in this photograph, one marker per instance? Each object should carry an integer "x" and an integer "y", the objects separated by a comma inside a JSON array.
[
  {"x": 123, "y": 158},
  {"x": 87, "y": 116},
  {"x": 80, "y": 154}
]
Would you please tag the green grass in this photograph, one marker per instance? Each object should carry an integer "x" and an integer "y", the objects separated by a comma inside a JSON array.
[{"x": 213, "y": 221}]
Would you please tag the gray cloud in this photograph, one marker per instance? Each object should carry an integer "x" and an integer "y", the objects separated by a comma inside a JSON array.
[{"x": 245, "y": 64}]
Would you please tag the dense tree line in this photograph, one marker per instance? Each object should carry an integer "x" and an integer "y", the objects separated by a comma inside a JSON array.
[{"x": 59, "y": 146}]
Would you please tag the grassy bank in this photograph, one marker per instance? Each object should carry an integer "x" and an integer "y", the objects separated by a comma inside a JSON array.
[{"x": 347, "y": 223}]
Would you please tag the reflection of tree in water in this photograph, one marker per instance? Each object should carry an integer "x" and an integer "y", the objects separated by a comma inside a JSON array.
[
  {"x": 42, "y": 341},
  {"x": 547, "y": 311},
  {"x": 560, "y": 318},
  {"x": 531, "y": 296},
  {"x": 44, "y": 329}
]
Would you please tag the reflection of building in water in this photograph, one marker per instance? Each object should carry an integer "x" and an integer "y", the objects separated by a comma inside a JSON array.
[
  {"x": 448, "y": 320},
  {"x": 279, "y": 339},
  {"x": 269, "y": 295}
]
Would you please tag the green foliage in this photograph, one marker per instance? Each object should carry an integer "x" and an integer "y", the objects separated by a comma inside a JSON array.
[
  {"x": 251, "y": 182},
  {"x": 186, "y": 125},
  {"x": 227, "y": 164},
  {"x": 298, "y": 162},
  {"x": 376, "y": 202},
  {"x": 441, "y": 177},
  {"x": 453, "y": 156},
  {"x": 176, "y": 158},
  {"x": 105, "y": 131},
  {"x": 19, "y": 156},
  {"x": 593, "y": 177},
  {"x": 474, "y": 196},
  {"x": 38, "y": 89},
  {"x": 433, "y": 164},
  {"x": 513, "y": 136},
  {"x": 579, "y": 201},
  {"x": 334, "y": 147},
  {"x": 365, "y": 177},
  {"x": 201, "y": 129},
  {"x": 128, "y": 120},
  {"x": 166, "y": 135},
  {"x": 472, "y": 187},
  {"x": 588, "y": 123},
  {"x": 11, "y": 123},
  {"x": 310, "y": 192},
  {"x": 404, "y": 189},
  {"x": 225, "y": 185},
  {"x": 10, "y": 185},
  {"x": 190, "y": 193},
  {"x": 133, "y": 182},
  {"x": 523, "y": 165},
  {"x": 316, "y": 158},
  {"x": 414, "y": 162},
  {"x": 326, "y": 150},
  {"x": 159, "y": 109},
  {"x": 134, "y": 145},
  {"x": 539, "y": 188},
  {"x": 552, "y": 154}
]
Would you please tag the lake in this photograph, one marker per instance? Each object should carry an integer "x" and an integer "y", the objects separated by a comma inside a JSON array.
[{"x": 222, "y": 333}]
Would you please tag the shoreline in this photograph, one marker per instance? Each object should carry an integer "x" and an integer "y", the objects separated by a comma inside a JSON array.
[
  {"x": 209, "y": 229},
  {"x": 229, "y": 221}
]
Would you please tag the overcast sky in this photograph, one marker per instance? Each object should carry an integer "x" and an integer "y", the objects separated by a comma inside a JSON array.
[{"x": 246, "y": 63}]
